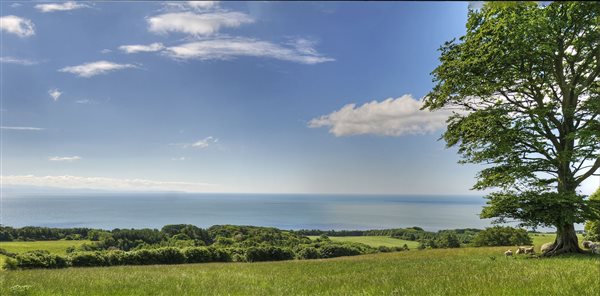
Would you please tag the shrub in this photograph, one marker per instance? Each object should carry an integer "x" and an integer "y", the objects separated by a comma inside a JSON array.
[
  {"x": 141, "y": 257},
  {"x": 338, "y": 250},
  {"x": 268, "y": 253},
  {"x": 502, "y": 236},
  {"x": 220, "y": 254},
  {"x": 10, "y": 264},
  {"x": 115, "y": 257},
  {"x": 197, "y": 255},
  {"x": 170, "y": 255},
  {"x": 39, "y": 259},
  {"x": 88, "y": 259},
  {"x": 384, "y": 249},
  {"x": 7, "y": 253},
  {"x": 308, "y": 253}
]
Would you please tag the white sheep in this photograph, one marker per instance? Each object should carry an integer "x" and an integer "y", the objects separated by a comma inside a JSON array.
[
  {"x": 520, "y": 250},
  {"x": 530, "y": 250},
  {"x": 586, "y": 244},
  {"x": 595, "y": 247},
  {"x": 546, "y": 247},
  {"x": 508, "y": 253}
]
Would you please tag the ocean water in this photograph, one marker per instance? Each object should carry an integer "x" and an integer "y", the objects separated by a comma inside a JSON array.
[{"x": 285, "y": 211}]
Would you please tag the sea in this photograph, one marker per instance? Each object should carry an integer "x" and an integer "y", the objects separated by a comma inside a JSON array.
[{"x": 284, "y": 211}]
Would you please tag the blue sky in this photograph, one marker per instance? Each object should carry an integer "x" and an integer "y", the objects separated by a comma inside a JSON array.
[{"x": 227, "y": 97}]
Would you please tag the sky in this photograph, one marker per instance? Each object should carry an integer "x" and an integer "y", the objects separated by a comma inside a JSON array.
[{"x": 253, "y": 97}]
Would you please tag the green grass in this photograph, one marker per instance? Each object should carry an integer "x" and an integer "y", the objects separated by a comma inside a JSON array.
[
  {"x": 373, "y": 241},
  {"x": 464, "y": 271},
  {"x": 55, "y": 247}
]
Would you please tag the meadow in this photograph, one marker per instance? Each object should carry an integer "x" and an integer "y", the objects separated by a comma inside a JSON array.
[
  {"x": 373, "y": 241},
  {"x": 462, "y": 271}
]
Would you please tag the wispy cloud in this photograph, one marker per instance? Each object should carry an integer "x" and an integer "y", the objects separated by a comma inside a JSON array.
[
  {"x": 17, "y": 61},
  {"x": 193, "y": 5},
  {"x": 96, "y": 68},
  {"x": 201, "y": 144},
  {"x": 103, "y": 183},
  {"x": 204, "y": 143},
  {"x": 22, "y": 128},
  {"x": 19, "y": 26},
  {"x": 65, "y": 6},
  {"x": 391, "y": 117},
  {"x": 55, "y": 94},
  {"x": 142, "y": 48},
  {"x": 197, "y": 24},
  {"x": 86, "y": 101},
  {"x": 64, "y": 158},
  {"x": 230, "y": 48},
  {"x": 182, "y": 158}
]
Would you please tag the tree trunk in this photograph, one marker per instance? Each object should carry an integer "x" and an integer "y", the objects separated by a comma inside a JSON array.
[{"x": 566, "y": 241}]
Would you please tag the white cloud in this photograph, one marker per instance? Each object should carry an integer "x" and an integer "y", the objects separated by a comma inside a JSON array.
[
  {"x": 391, "y": 117},
  {"x": 86, "y": 101},
  {"x": 16, "y": 5},
  {"x": 201, "y": 144},
  {"x": 21, "y": 27},
  {"x": 102, "y": 183},
  {"x": 204, "y": 143},
  {"x": 198, "y": 24},
  {"x": 55, "y": 94},
  {"x": 17, "y": 61},
  {"x": 142, "y": 48},
  {"x": 229, "y": 48},
  {"x": 178, "y": 158},
  {"x": 21, "y": 128},
  {"x": 105, "y": 51},
  {"x": 65, "y": 6},
  {"x": 95, "y": 68},
  {"x": 192, "y": 5},
  {"x": 64, "y": 158},
  {"x": 202, "y": 4}
]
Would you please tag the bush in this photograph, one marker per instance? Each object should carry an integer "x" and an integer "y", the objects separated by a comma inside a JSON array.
[
  {"x": 39, "y": 259},
  {"x": 115, "y": 257},
  {"x": 169, "y": 255},
  {"x": 502, "y": 236},
  {"x": 221, "y": 254},
  {"x": 7, "y": 253},
  {"x": 338, "y": 250},
  {"x": 88, "y": 259},
  {"x": 308, "y": 253},
  {"x": 197, "y": 255},
  {"x": 268, "y": 253},
  {"x": 10, "y": 264}
]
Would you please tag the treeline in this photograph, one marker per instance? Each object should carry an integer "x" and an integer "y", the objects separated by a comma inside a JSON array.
[
  {"x": 32, "y": 233},
  {"x": 176, "y": 244},
  {"x": 321, "y": 248},
  {"x": 441, "y": 239},
  {"x": 394, "y": 232}
]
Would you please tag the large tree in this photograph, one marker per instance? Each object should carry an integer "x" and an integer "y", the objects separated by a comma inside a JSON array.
[{"x": 525, "y": 83}]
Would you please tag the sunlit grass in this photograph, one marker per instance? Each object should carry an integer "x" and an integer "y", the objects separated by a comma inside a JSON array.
[
  {"x": 374, "y": 241},
  {"x": 55, "y": 247},
  {"x": 464, "y": 271}
]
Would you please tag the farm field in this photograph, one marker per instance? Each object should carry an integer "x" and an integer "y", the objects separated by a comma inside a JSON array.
[
  {"x": 55, "y": 247},
  {"x": 464, "y": 271},
  {"x": 373, "y": 241}
]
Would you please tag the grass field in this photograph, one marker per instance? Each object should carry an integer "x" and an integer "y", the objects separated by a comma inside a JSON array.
[
  {"x": 465, "y": 271},
  {"x": 55, "y": 247},
  {"x": 374, "y": 241}
]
